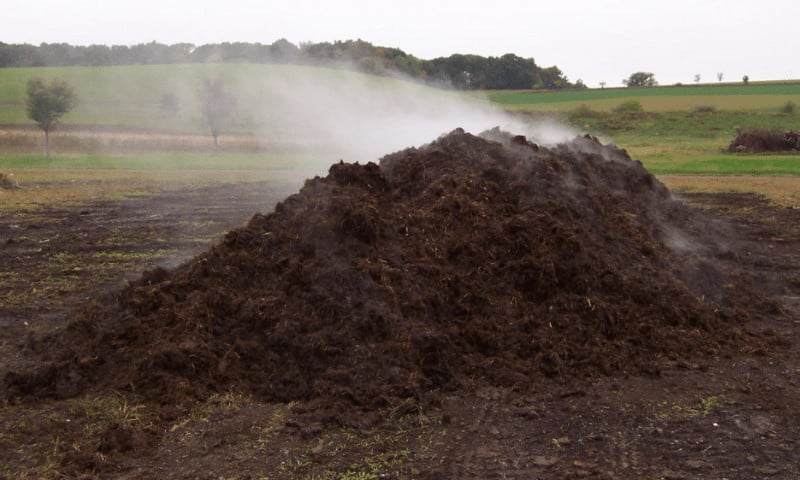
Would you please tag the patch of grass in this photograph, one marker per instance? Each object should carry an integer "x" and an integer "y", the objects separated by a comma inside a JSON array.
[
  {"x": 94, "y": 413},
  {"x": 358, "y": 476},
  {"x": 64, "y": 257},
  {"x": 629, "y": 106},
  {"x": 62, "y": 185},
  {"x": 743, "y": 103},
  {"x": 189, "y": 162},
  {"x": 124, "y": 257},
  {"x": 15, "y": 298},
  {"x": 582, "y": 111},
  {"x": 703, "y": 407},
  {"x": 691, "y": 142},
  {"x": 704, "y": 109},
  {"x": 723, "y": 164},
  {"x": 766, "y": 96},
  {"x": 780, "y": 190},
  {"x": 662, "y": 127}
]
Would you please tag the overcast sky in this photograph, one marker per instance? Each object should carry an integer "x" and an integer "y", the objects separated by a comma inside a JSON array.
[{"x": 588, "y": 39}]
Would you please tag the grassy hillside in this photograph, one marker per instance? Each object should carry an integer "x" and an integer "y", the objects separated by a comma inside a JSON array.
[
  {"x": 756, "y": 96},
  {"x": 131, "y": 96},
  {"x": 690, "y": 142},
  {"x": 290, "y": 109},
  {"x": 126, "y": 96}
]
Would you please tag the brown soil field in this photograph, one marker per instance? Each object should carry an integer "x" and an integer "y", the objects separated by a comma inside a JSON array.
[{"x": 478, "y": 308}]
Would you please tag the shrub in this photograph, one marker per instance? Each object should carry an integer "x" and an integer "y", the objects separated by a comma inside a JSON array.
[
  {"x": 788, "y": 108},
  {"x": 583, "y": 111},
  {"x": 629, "y": 106},
  {"x": 705, "y": 109}
]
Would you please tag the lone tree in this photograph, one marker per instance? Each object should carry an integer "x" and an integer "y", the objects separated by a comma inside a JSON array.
[
  {"x": 46, "y": 104},
  {"x": 641, "y": 79},
  {"x": 217, "y": 105}
]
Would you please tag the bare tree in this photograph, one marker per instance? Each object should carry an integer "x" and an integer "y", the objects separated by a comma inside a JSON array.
[
  {"x": 697, "y": 77},
  {"x": 46, "y": 104},
  {"x": 719, "y": 77},
  {"x": 217, "y": 105}
]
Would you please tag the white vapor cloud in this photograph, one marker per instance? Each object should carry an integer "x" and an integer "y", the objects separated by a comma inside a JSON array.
[{"x": 361, "y": 118}]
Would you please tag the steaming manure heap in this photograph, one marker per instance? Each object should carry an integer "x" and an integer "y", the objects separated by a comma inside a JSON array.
[
  {"x": 760, "y": 141},
  {"x": 471, "y": 261}
]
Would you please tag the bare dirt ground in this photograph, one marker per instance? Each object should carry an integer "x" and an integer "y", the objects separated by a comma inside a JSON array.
[{"x": 727, "y": 413}]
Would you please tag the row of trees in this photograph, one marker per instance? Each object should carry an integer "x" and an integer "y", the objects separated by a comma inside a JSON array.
[
  {"x": 648, "y": 79},
  {"x": 460, "y": 71},
  {"x": 495, "y": 73}
]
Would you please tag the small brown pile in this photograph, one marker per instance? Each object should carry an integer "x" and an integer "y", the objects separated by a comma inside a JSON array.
[
  {"x": 760, "y": 141},
  {"x": 472, "y": 261},
  {"x": 8, "y": 182}
]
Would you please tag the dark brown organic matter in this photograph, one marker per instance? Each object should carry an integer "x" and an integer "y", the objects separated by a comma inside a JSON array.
[
  {"x": 8, "y": 182},
  {"x": 760, "y": 141},
  {"x": 478, "y": 307},
  {"x": 469, "y": 262}
]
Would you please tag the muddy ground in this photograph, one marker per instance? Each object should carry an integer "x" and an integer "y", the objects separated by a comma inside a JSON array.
[{"x": 733, "y": 414}]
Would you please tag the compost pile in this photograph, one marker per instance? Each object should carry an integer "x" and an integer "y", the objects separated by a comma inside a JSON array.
[
  {"x": 472, "y": 261},
  {"x": 8, "y": 182},
  {"x": 760, "y": 141}
]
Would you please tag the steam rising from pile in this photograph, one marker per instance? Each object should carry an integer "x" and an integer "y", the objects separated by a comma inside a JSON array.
[{"x": 360, "y": 117}]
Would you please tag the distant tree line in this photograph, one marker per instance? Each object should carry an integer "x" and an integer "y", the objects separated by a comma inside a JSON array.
[{"x": 460, "y": 71}]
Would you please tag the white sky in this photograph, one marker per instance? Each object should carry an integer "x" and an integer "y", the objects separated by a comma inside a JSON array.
[{"x": 588, "y": 39}]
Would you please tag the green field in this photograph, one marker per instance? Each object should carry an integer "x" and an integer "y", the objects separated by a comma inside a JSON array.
[
  {"x": 723, "y": 164},
  {"x": 160, "y": 161},
  {"x": 130, "y": 96},
  {"x": 755, "y": 96},
  {"x": 678, "y": 130},
  {"x": 661, "y": 139}
]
